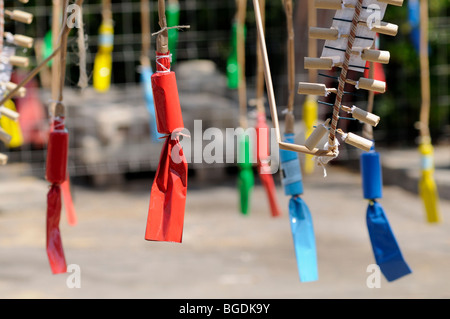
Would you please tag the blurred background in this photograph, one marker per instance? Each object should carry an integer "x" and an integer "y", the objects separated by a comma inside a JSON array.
[
  {"x": 111, "y": 150},
  {"x": 208, "y": 42}
]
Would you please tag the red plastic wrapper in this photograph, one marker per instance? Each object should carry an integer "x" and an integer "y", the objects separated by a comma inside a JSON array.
[
  {"x": 68, "y": 202},
  {"x": 56, "y": 174},
  {"x": 57, "y": 149},
  {"x": 168, "y": 196},
  {"x": 55, "y": 250},
  {"x": 165, "y": 93},
  {"x": 263, "y": 141}
]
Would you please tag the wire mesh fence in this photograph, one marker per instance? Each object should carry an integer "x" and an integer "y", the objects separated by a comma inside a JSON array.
[{"x": 122, "y": 109}]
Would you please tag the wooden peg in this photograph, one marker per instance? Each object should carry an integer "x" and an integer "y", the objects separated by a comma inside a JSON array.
[
  {"x": 316, "y": 136},
  {"x": 368, "y": 84},
  {"x": 314, "y": 89},
  {"x": 318, "y": 63},
  {"x": 397, "y": 3},
  {"x": 23, "y": 41},
  {"x": 3, "y": 159},
  {"x": 365, "y": 116},
  {"x": 20, "y": 16},
  {"x": 323, "y": 33},
  {"x": 19, "y": 61},
  {"x": 20, "y": 93},
  {"x": 328, "y": 4},
  {"x": 383, "y": 28},
  {"x": 9, "y": 113},
  {"x": 377, "y": 56},
  {"x": 371, "y": 85},
  {"x": 4, "y": 136},
  {"x": 356, "y": 141}
]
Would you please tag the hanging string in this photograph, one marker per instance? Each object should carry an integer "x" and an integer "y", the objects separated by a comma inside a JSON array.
[{"x": 81, "y": 42}]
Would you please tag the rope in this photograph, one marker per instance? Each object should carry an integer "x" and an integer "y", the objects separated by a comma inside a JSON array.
[{"x": 343, "y": 76}]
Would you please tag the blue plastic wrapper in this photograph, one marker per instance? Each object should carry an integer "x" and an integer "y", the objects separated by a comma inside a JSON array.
[
  {"x": 372, "y": 178},
  {"x": 414, "y": 22},
  {"x": 146, "y": 80},
  {"x": 385, "y": 248},
  {"x": 291, "y": 174},
  {"x": 304, "y": 239}
]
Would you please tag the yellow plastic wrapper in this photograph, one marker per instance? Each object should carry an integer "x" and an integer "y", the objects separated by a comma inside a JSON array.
[
  {"x": 427, "y": 185},
  {"x": 12, "y": 127},
  {"x": 103, "y": 58},
  {"x": 310, "y": 110}
]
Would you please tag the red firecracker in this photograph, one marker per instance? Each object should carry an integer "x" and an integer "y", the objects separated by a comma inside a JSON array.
[
  {"x": 168, "y": 195},
  {"x": 56, "y": 173}
]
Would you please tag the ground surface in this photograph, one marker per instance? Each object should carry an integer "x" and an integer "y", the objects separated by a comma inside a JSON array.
[{"x": 223, "y": 254}]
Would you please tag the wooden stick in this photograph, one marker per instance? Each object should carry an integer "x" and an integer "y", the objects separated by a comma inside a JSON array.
[
  {"x": 2, "y": 24},
  {"x": 289, "y": 119},
  {"x": 146, "y": 33},
  {"x": 312, "y": 43},
  {"x": 162, "y": 41},
  {"x": 424, "y": 73},
  {"x": 271, "y": 95},
  {"x": 260, "y": 68},
  {"x": 106, "y": 10},
  {"x": 55, "y": 68},
  {"x": 242, "y": 88}
]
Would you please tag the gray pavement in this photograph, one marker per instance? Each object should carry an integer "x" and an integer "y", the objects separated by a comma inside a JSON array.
[{"x": 223, "y": 254}]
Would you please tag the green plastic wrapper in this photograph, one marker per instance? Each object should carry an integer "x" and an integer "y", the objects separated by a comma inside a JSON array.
[
  {"x": 246, "y": 176},
  {"x": 233, "y": 69},
  {"x": 47, "y": 48},
  {"x": 173, "y": 19}
]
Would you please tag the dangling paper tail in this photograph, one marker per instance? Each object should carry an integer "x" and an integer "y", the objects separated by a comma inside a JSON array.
[
  {"x": 299, "y": 215},
  {"x": 146, "y": 76},
  {"x": 68, "y": 202},
  {"x": 246, "y": 178},
  {"x": 168, "y": 194},
  {"x": 384, "y": 245},
  {"x": 304, "y": 239},
  {"x": 385, "y": 248},
  {"x": 427, "y": 185},
  {"x": 56, "y": 169},
  {"x": 55, "y": 250},
  {"x": 265, "y": 175}
]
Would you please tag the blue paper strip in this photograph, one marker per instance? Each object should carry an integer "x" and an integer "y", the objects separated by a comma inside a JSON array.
[
  {"x": 291, "y": 174},
  {"x": 385, "y": 248},
  {"x": 146, "y": 80},
  {"x": 304, "y": 239}
]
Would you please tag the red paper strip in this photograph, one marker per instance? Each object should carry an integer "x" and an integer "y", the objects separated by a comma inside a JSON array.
[
  {"x": 68, "y": 202},
  {"x": 168, "y": 196},
  {"x": 263, "y": 140},
  {"x": 55, "y": 250}
]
